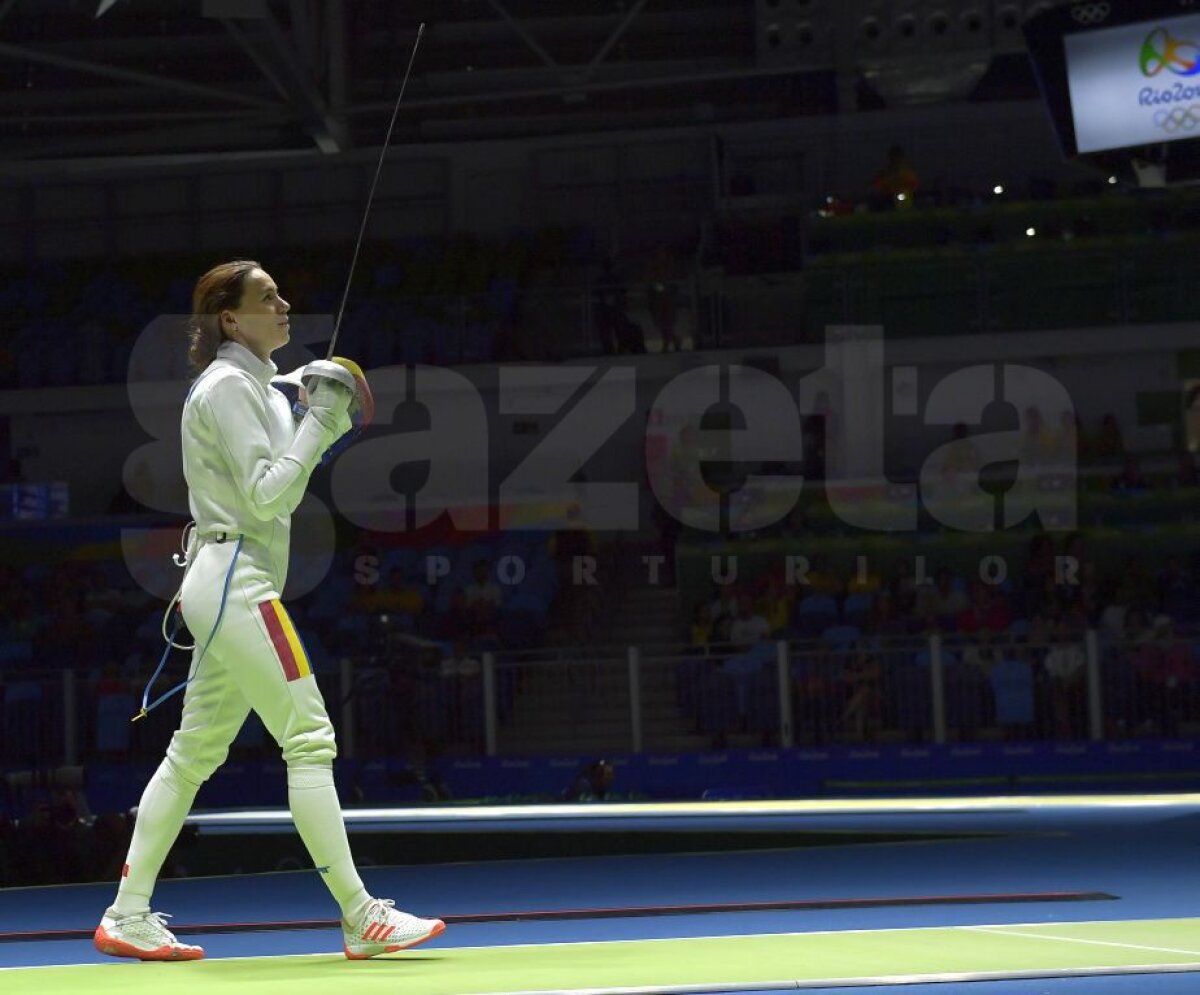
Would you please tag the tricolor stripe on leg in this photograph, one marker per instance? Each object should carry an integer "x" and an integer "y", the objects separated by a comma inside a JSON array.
[{"x": 286, "y": 640}]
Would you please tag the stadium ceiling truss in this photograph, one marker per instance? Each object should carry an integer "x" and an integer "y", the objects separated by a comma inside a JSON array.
[{"x": 84, "y": 79}]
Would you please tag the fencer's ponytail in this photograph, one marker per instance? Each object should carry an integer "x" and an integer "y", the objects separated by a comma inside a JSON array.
[{"x": 217, "y": 290}]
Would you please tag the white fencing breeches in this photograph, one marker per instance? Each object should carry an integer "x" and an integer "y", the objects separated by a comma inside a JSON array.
[{"x": 255, "y": 661}]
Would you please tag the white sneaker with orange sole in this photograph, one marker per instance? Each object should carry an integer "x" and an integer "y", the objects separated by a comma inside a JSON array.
[
  {"x": 144, "y": 936},
  {"x": 384, "y": 929}
]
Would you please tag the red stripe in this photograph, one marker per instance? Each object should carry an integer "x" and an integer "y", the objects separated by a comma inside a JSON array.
[
  {"x": 283, "y": 648},
  {"x": 125, "y": 871}
]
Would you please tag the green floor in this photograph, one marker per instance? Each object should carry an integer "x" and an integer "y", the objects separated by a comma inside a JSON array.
[{"x": 803, "y": 959}]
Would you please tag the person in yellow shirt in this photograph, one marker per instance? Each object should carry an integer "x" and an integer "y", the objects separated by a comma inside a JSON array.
[{"x": 896, "y": 182}]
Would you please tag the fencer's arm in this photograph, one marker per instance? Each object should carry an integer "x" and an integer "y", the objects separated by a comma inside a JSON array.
[{"x": 270, "y": 486}]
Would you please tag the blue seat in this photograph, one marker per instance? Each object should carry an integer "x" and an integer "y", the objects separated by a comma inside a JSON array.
[
  {"x": 1012, "y": 691},
  {"x": 814, "y": 614},
  {"x": 841, "y": 637},
  {"x": 856, "y": 609}
]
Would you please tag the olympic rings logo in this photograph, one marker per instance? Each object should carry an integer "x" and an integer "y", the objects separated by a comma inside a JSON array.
[
  {"x": 1160, "y": 51},
  {"x": 1090, "y": 13},
  {"x": 1178, "y": 118}
]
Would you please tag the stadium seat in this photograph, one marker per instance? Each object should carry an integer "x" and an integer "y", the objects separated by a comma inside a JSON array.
[{"x": 1012, "y": 691}]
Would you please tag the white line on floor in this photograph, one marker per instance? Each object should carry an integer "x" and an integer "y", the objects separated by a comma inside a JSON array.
[{"x": 1003, "y": 931}]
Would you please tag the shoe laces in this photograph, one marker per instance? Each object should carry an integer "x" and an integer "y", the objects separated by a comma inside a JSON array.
[{"x": 155, "y": 920}]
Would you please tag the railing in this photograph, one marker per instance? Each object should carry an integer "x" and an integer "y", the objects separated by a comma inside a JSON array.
[{"x": 662, "y": 699}]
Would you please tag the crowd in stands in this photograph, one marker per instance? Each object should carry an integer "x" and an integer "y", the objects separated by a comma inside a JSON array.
[{"x": 1013, "y": 651}]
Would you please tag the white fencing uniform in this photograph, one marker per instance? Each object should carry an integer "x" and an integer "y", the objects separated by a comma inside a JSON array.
[{"x": 247, "y": 466}]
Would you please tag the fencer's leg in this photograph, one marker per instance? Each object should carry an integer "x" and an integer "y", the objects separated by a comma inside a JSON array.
[
  {"x": 213, "y": 712},
  {"x": 276, "y": 678}
]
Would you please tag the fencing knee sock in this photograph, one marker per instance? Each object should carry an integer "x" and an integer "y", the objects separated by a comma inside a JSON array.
[
  {"x": 165, "y": 804},
  {"x": 318, "y": 817}
]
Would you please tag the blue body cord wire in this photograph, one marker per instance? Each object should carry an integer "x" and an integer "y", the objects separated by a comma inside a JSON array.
[{"x": 148, "y": 708}]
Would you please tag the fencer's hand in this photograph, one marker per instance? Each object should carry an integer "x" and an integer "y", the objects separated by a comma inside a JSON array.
[{"x": 329, "y": 403}]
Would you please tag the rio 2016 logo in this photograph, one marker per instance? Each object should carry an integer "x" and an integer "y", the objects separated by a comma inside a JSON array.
[{"x": 1161, "y": 51}]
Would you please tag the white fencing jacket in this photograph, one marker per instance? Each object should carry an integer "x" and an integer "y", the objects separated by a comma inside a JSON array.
[{"x": 245, "y": 459}]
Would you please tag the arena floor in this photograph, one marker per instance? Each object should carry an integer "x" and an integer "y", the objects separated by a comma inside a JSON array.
[{"x": 1095, "y": 895}]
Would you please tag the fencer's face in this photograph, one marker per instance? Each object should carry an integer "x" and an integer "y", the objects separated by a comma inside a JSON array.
[{"x": 260, "y": 322}]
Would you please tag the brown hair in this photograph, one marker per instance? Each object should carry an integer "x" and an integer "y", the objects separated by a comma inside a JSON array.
[{"x": 217, "y": 290}]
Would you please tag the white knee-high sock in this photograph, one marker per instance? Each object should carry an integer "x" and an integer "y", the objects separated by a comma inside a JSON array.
[
  {"x": 318, "y": 816},
  {"x": 165, "y": 804}
]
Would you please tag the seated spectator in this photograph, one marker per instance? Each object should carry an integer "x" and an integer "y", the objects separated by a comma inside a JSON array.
[
  {"x": 896, "y": 183},
  {"x": 396, "y": 598},
  {"x": 1112, "y": 616},
  {"x": 1068, "y": 445},
  {"x": 777, "y": 607},
  {"x": 457, "y": 620},
  {"x": 1037, "y": 441},
  {"x": 569, "y": 542},
  {"x": 1084, "y": 596},
  {"x": 885, "y": 621},
  {"x": 862, "y": 676},
  {"x": 459, "y": 663},
  {"x": 868, "y": 582},
  {"x": 748, "y": 627},
  {"x": 1037, "y": 581},
  {"x": 821, "y": 578},
  {"x": 482, "y": 598},
  {"x": 689, "y": 490},
  {"x": 819, "y": 438},
  {"x": 941, "y": 603},
  {"x": 662, "y": 296},
  {"x": 982, "y": 652},
  {"x": 1163, "y": 665},
  {"x": 961, "y": 463},
  {"x": 1065, "y": 665},
  {"x": 724, "y": 612},
  {"x": 1130, "y": 479},
  {"x": 987, "y": 610}
]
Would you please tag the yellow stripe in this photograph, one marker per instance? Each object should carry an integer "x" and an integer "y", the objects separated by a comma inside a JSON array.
[{"x": 289, "y": 630}]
